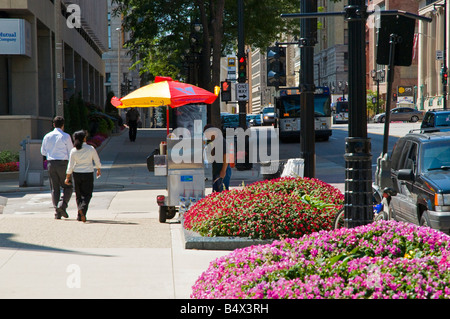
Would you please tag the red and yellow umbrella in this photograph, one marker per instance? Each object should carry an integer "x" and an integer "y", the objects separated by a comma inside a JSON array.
[{"x": 165, "y": 91}]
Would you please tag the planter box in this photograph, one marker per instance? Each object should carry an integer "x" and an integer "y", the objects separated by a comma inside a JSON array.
[{"x": 193, "y": 240}]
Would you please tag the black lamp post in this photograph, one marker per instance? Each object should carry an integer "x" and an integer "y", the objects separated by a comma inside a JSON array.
[
  {"x": 342, "y": 86},
  {"x": 378, "y": 76},
  {"x": 444, "y": 58}
]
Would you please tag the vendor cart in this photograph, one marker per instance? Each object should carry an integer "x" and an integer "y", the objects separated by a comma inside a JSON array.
[
  {"x": 185, "y": 179},
  {"x": 181, "y": 160}
]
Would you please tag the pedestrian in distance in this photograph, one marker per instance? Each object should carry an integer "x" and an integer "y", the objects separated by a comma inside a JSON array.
[
  {"x": 132, "y": 118},
  {"x": 56, "y": 147},
  {"x": 82, "y": 160}
]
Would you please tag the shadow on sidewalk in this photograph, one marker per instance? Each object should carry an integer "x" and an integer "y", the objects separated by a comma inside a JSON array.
[
  {"x": 7, "y": 242},
  {"x": 109, "y": 222}
]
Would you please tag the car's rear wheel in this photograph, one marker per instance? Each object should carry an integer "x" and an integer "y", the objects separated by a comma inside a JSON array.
[
  {"x": 414, "y": 118},
  {"x": 381, "y": 216}
]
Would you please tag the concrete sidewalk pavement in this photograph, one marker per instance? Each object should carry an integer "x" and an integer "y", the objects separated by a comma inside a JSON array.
[{"x": 122, "y": 251}]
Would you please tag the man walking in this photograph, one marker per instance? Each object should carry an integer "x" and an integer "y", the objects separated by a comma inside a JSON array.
[
  {"x": 56, "y": 146},
  {"x": 132, "y": 117}
]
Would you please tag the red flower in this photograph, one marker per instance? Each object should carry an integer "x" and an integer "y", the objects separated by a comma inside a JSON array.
[{"x": 9, "y": 167}]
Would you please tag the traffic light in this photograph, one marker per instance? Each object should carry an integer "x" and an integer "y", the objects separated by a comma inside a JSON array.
[
  {"x": 242, "y": 69},
  {"x": 225, "y": 90},
  {"x": 444, "y": 74},
  {"x": 276, "y": 66},
  {"x": 216, "y": 90}
]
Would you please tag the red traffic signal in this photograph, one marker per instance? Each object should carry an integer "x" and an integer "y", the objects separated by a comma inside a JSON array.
[
  {"x": 242, "y": 69},
  {"x": 225, "y": 86},
  {"x": 225, "y": 91}
]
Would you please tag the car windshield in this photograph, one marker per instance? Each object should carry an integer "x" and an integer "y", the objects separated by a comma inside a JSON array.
[
  {"x": 267, "y": 110},
  {"x": 436, "y": 156},
  {"x": 443, "y": 119}
]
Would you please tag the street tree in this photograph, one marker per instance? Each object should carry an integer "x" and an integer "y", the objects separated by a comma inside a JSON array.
[{"x": 164, "y": 41}]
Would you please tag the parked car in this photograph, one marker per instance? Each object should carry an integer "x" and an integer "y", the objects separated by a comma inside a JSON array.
[
  {"x": 254, "y": 119},
  {"x": 400, "y": 114},
  {"x": 230, "y": 120},
  {"x": 268, "y": 116},
  {"x": 436, "y": 118},
  {"x": 420, "y": 174}
]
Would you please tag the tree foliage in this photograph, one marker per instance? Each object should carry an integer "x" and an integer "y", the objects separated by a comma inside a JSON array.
[{"x": 161, "y": 31}]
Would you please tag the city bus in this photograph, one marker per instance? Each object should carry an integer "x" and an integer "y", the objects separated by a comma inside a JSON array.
[
  {"x": 287, "y": 106},
  {"x": 340, "y": 112}
]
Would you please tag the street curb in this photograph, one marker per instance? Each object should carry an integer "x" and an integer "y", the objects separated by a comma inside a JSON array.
[{"x": 193, "y": 240}]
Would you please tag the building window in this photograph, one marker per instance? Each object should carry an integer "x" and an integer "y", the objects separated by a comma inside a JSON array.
[
  {"x": 345, "y": 61},
  {"x": 108, "y": 77}
]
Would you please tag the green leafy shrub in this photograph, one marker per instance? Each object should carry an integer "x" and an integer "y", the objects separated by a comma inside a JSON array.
[{"x": 8, "y": 156}]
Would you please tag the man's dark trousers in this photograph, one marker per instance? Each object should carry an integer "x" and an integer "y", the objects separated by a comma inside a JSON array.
[{"x": 57, "y": 175}]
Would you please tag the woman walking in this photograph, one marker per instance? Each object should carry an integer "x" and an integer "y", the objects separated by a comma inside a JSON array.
[{"x": 82, "y": 160}]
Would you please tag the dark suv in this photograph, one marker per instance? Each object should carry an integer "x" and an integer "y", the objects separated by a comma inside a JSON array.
[
  {"x": 436, "y": 118},
  {"x": 420, "y": 174}
]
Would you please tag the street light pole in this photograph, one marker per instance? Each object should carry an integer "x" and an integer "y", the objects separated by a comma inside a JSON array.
[
  {"x": 358, "y": 208},
  {"x": 444, "y": 52},
  {"x": 308, "y": 31},
  {"x": 444, "y": 87},
  {"x": 377, "y": 76}
]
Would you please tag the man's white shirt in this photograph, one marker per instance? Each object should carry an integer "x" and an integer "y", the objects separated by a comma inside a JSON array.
[{"x": 56, "y": 145}]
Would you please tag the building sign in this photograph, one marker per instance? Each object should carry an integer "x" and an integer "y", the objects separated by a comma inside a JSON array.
[
  {"x": 405, "y": 94},
  {"x": 15, "y": 37},
  {"x": 405, "y": 90},
  {"x": 231, "y": 68}
]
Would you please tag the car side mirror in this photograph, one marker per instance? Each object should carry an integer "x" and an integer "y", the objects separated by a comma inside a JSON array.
[{"x": 405, "y": 174}]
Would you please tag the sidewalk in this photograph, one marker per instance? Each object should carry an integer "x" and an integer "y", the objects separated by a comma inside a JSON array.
[{"x": 122, "y": 251}]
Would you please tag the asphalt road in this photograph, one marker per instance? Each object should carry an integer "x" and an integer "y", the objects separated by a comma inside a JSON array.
[{"x": 330, "y": 162}]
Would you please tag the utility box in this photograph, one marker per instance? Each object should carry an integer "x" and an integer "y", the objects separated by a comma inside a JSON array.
[{"x": 31, "y": 163}]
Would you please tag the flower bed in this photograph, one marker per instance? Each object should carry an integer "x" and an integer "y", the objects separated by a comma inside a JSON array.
[
  {"x": 274, "y": 209},
  {"x": 97, "y": 140},
  {"x": 9, "y": 167},
  {"x": 386, "y": 259}
]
